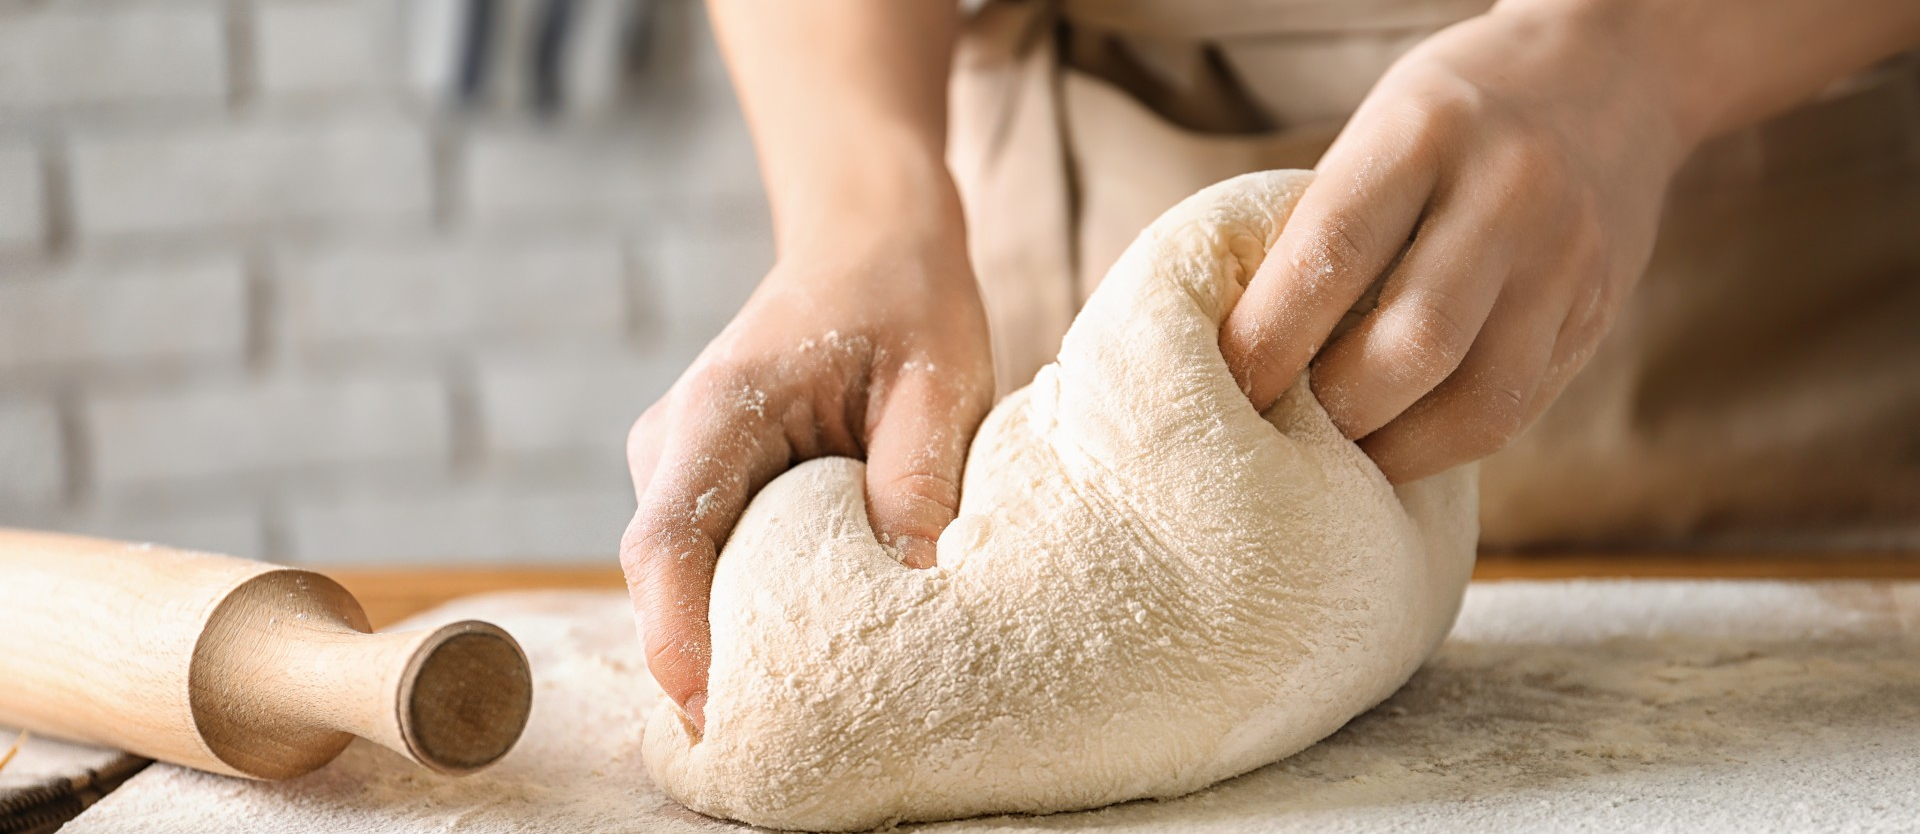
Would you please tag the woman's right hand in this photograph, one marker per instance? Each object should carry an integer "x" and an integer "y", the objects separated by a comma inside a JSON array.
[{"x": 879, "y": 351}]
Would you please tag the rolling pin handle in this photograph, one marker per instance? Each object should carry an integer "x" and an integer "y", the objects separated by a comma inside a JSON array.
[
  {"x": 464, "y": 698},
  {"x": 453, "y": 699}
]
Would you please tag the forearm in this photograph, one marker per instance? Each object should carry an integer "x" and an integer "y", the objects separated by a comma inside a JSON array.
[
  {"x": 847, "y": 102},
  {"x": 1725, "y": 64}
]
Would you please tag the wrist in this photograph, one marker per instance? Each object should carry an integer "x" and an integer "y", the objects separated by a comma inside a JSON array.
[
  {"x": 876, "y": 237},
  {"x": 1641, "y": 44},
  {"x": 891, "y": 193}
]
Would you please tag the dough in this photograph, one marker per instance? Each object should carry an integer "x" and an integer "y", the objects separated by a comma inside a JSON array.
[{"x": 1150, "y": 587}]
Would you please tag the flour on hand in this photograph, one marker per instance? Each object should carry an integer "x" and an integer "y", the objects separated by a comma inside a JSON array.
[{"x": 1150, "y": 587}]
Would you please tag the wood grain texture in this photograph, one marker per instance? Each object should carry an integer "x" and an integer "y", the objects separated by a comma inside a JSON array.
[
  {"x": 390, "y": 595},
  {"x": 238, "y": 667},
  {"x": 1574, "y": 565}
]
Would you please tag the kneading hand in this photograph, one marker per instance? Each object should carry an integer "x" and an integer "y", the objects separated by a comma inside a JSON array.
[
  {"x": 882, "y": 356},
  {"x": 1505, "y": 180}
]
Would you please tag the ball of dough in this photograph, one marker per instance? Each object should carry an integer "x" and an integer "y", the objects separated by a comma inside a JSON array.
[{"x": 1150, "y": 586}]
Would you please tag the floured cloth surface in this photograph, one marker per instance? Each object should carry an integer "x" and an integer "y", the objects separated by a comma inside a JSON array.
[
  {"x": 1554, "y": 706},
  {"x": 41, "y": 759},
  {"x": 47, "y": 782}
]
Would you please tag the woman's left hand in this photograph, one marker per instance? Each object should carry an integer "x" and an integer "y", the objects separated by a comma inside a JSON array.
[{"x": 1505, "y": 179}]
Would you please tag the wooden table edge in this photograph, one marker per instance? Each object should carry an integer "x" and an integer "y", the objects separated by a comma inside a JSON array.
[{"x": 390, "y": 594}]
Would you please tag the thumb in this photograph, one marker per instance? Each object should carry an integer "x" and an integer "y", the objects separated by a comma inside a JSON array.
[{"x": 916, "y": 450}]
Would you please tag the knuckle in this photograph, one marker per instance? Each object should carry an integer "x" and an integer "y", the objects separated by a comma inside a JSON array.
[
  {"x": 1537, "y": 174},
  {"x": 1426, "y": 338},
  {"x": 1336, "y": 246},
  {"x": 1438, "y": 318},
  {"x": 711, "y": 378},
  {"x": 652, "y": 546},
  {"x": 916, "y": 487},
  {"x": 1446, "y": 107},
  {"x": 1590, "y": 314},
  {"x": 636, "y": 556},
  {"x": 1497, "y": 414},
  {"x": 1445, "y": 103}
]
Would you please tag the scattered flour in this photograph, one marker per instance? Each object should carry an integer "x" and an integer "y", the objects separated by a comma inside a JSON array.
[{"x": 1735, "y": 707}]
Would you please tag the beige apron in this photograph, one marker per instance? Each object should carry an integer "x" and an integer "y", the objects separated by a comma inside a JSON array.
[{"x": 1761, "y": 390}]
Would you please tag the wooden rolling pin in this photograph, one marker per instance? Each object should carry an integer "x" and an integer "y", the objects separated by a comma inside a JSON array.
[{"x": 238, "y": 667}]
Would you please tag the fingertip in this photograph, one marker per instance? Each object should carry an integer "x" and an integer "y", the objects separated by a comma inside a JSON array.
[
  {"x": 1271, "y": 333},
  {"x": 1401, "y": 465},
  {"x": 1237, "y": 348},
  {"x": 695, "y": 713},
  {"x": 1262, "y": 367},
  {"x": 678, "y": 664},
  {"x": 917, "y": 552},
  {"x": 1387, "y": 459},
  {"x": 916, "y": 457},
  {"x": 909, "y": 513},
  {"x": 1335, "y": 392}
]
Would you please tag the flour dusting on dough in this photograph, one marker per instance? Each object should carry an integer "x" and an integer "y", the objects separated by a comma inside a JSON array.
[{"x": 1149, "y": 587}]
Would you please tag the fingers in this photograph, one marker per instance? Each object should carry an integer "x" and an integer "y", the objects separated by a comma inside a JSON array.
[
  {"x": 1490, "y": 398},
  {"x": 1348, "y": 226},
  {"x": 1430, "y": 311},
  {"x": 915, "y": 454},
  {"x": 693, "y": 482}
]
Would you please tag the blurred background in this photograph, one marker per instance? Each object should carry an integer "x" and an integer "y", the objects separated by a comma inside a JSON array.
[{"x": 356, "y": 282}]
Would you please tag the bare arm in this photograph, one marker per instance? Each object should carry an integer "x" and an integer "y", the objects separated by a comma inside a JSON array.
[
  {"x": 866, "y": 339},
  {"x": 848, "y": 104},
  {"x": 1732, "y": 63}
]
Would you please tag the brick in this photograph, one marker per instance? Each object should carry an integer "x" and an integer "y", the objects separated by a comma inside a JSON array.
[
  {"x": 235, "y": 531},
  {"x": 22, "y": 198},
  {"x": 368, "y": 173},
  {"x": 31, "y": 468},
  {"x": 157, "y": 313},
  {"x": 324, "y": 47},
  {"x": 541, "y": 405},
  {"x": 671, "y": 154},
  {"x": 446, "y": 292},
  {"x": 698, "y": 272},
  {"x": 679, "y": 140},
  {"x": 487, "y": 525},
  {"x": 281, "y": 426},
  {"x": 65, "y": 54}
]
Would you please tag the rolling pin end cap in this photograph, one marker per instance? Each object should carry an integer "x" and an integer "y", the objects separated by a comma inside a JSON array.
[{"x": 466, "y": 697}]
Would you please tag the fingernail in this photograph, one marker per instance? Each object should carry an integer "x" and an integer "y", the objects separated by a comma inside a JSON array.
[{"x": 696, "y": 713}]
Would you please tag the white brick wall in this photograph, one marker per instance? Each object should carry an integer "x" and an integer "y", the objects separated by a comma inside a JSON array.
[
  {"x": 670, "y": 156},
  {"x": 63, "y": 55},
  {"x": 488, "y": 526},
  {"x": 285, "y": 426},
  {"x": 697, "y": 275},
  {"x": 139, "y": 315},
  {"x": 325, "y": 47},
  {"x": 363, "y": 172},
  {"x": 22, "y": 198},
  {"x": 234, "y": 530},
  {"x": 581, "y": 404},
  {"x": 256, "y": 298},
  {"x": 30, "y": 462},
  {"x": 473, "y": 290}
]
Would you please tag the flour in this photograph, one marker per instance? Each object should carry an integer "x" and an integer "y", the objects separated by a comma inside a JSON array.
[
  {"x": 1150, "y": 587},
  {"x": 1719, "y": 707}
]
